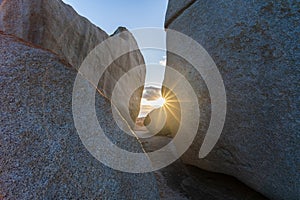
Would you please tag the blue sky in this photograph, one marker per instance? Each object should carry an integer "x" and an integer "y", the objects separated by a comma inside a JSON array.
[
  {"x": 110, "y": 14},
  {"x": 133, "y": 14}
]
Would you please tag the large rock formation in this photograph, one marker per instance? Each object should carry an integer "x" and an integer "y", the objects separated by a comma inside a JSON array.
[
  {"x": 255, "y": 45},
  {"x": 42, "y": 156},
  {"x": 56, "y": 26},
  {"x": 131, "y": 60},
  {"x": 52, "y": 25},
  {"x": 41, "y": 153}
]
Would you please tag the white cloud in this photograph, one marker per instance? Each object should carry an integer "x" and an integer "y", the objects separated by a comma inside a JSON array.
[{"x": 163, "y": 62}]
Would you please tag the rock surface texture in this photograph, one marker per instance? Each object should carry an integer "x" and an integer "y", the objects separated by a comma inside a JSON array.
[
  {"x": 42, "y": 46},
  {"x": 42, "y": 156},
  {"x": 131, "y": 60},
  {"x": 56, "y": 26},
  {"x": 255, "y": 45},
  {"x": 52, "y": 25},
  {"x": 180, "y": 181}
]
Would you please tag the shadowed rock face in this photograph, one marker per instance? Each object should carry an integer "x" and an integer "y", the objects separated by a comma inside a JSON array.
[
  {"x": 41, "y": 153},
  {"x": 56, "y": 26},
  {"x": 176, "y": 8},
  {"x": 255, "y": 45}
]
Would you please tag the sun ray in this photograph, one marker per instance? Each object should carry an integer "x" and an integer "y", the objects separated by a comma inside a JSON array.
[
  {"x": 172, "y": 105},
  {"x": 173, "y": 114}
]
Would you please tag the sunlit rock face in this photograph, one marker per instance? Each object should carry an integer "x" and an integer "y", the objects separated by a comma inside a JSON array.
[
  {"x": 56, "y": 26},
  {"x": 52, "y": 25},
  {"x": 255, "y": 45},
  {"x": 132, "y": 60},
  {"x": 42, "y": 156}
]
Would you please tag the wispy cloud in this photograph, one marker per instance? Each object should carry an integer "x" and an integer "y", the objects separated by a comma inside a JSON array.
[
  {"x": 151, "y": 93},
  {"x": 163, "y": 62}
]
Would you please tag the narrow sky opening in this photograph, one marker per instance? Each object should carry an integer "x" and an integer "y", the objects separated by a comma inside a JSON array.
[{"x": 134, "y": 14}]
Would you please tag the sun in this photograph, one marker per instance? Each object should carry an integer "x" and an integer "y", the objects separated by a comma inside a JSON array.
[
  {"x": 148, "y": 105},
  {"x": 160, "y": 102}
]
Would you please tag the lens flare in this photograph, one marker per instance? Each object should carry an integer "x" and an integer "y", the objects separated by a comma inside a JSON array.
[{"x": 159, "y": 102}]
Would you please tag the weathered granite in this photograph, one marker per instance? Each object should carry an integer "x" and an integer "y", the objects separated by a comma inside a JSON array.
[
  {"x": 42, "y": 156},
  {"x": 120, "y": 66},
  {"x": 175, "y": 8},
  {"x": 255, "y": 45},
  {"x": 52, "y": 25},
  {"x": 56, "y": 26},
  {"x": 180, "y": 181}
]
